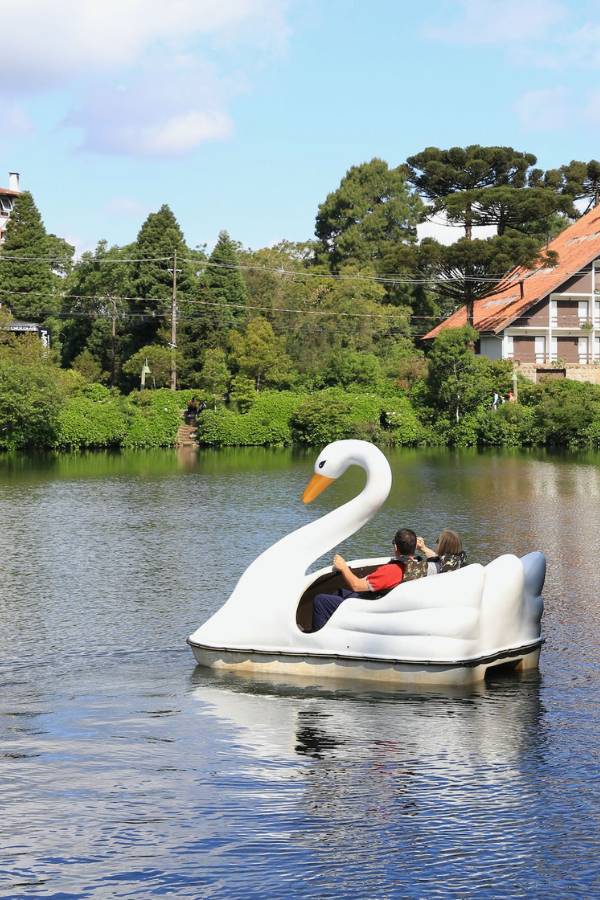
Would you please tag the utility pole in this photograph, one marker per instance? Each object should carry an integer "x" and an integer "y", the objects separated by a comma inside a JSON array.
[
  {"x": 174, "y": 326},
  {"x": 113, "y": 336}
]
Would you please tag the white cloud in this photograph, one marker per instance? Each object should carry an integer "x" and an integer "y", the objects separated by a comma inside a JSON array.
[
  {"x": 163, "y": 110},
  {"x": 137, "y": 71},
  {"x": 547, "y": 109},
  {"x": 53, "y": 41},
  {"x": 494, "y": 22}
]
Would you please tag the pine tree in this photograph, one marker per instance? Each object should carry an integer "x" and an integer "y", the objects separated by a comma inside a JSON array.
[
  {"x": 221, "y": 304},
  {"x": 371, "y": 211},
  {"x": 158, "y": 240},
  {"x": 26, "y": 274}
]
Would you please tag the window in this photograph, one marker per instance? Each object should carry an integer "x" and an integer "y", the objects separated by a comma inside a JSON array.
[
  {"x": 553, "y": 313},
  {"x": 583, "y": 348},
  {"x": 540, "y": 349},
  {"x": 583, "y": 311}
]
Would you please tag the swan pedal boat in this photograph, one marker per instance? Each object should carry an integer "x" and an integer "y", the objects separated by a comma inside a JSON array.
[{"x": 447, "y": 629}]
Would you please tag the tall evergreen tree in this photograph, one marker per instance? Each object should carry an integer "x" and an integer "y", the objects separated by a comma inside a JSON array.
[
  {"x": 221, "y": 302},
  {"x": 26, "y": 273},
  {"x": 158, "y": 240},
  {"x": 371, "y": 211}
]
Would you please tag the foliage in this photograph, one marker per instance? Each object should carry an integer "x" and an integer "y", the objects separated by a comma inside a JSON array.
[
  {"x": 93, "y": 308},
  {"x": 85, "y": 422},
  {"x": 458, "y": 381},
  {"x": 565, "y": 412},
  {"x": 242, "y": 393},
  {"x": 352, "y": 369},
  {"x": 88, "y": 366},
  {"x": 334, "y": 414},
  {"x": 159, "y": 238},
  {"x": 30, "y": 399},
  {"x": 266, "y": 423},
  {"x": 215, "y": 375},
  {"x": 370, "y": 211},
  {"x": 159, "y": 363},
  {"x": 154, "y": 417},
  {"x": 26, "y": 277},
  {"x": 260, "y": 355}
]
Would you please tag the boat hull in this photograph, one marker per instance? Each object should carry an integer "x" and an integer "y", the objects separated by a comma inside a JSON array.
[{"x": 409, "y": 672}]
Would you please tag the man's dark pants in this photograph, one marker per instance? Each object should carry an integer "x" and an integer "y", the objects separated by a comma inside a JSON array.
[{"x": 324, "y": 606}]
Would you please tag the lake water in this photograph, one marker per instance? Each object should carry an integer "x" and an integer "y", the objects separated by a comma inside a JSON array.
[{"x": 126, "y": 772}]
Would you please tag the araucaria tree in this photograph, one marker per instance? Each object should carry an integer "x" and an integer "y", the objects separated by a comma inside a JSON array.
[{"x": 496, "y": 186}]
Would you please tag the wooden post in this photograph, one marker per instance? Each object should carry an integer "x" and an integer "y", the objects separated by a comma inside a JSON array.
[
  {"x": 113, "y": 339},
  {"x": 174, "y": 326}
]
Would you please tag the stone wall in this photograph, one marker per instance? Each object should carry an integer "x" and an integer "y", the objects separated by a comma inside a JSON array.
[{"x": 574, "y": 371}]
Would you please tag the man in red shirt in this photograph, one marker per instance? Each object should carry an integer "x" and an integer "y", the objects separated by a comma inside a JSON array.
[{"x": 378, "y": 583}]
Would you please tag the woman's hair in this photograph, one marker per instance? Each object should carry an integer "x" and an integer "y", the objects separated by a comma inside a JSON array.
[{"x": 448, "y": 542}]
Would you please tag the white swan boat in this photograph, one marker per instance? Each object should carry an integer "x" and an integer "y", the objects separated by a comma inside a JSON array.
[{"x": 446, "y": 629}]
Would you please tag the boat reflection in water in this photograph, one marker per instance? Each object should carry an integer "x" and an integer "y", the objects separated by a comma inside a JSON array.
[{"x": 364, "y": 759}]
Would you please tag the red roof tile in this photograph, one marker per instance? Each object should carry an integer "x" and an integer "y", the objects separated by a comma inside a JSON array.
[{"x": 576, "y": 247}]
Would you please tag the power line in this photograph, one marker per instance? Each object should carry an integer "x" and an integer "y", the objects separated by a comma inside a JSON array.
[{"x": 385, "y": 278}]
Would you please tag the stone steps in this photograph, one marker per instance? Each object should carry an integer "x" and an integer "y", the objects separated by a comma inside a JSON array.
[{"x": 186, "y": 436}]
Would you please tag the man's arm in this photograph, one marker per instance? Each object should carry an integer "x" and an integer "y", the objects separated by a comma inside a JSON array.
[{"x": 353, "y": 581}]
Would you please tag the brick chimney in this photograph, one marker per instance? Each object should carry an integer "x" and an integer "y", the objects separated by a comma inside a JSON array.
[{"x": 13, "y": 181}]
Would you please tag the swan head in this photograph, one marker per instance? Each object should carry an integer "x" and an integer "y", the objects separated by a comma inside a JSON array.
[{"x": 333, "y": 461}]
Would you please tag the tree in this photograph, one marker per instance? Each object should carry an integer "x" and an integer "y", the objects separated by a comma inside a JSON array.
[
  {"x": 220, "y": 304},
  {"x": 159, "y": 363},
  {"x": 158, "y": 240},
  {"x": 370, "y": 212},
  {"x": 438, "y": 173},
  {"x": 88, "y": 366},
  {"x": 467, "y": 270},
  {"x": 96, "y": 313},
  {"x": 26, "y": 274},
  {"x": 532, "y": 211},
  {"x": 581, "y": 181},
  {"x": 215, "y": 375},
  {"x": 31, "y": 393},
  {"x": 458, "y": 381},
  {"x": 260, "y": 355},
  {"x": 352, "y": 368}
]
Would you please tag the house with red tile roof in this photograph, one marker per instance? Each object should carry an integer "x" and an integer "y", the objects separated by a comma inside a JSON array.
[
  {"x": 7, "y": 199},
  {"x": 546, "y": 318}
]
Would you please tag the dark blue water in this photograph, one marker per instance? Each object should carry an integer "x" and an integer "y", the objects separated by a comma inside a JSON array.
[{"x": 129, "y": 773}]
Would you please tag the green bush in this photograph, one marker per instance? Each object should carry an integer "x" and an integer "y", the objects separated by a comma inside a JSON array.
[
  {"x": 266, "y": 423},
  {"x": 334, "y": 414},
  {"x": 564, "y": 412},
  {"x": 30, "y": 400},
  {"x": 400, "y": 420},
  {"x": 85, "y": 422},
  {"x": 154, "y": 417}
]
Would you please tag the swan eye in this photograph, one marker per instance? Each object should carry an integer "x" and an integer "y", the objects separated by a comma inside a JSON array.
[{"x": 322, "y": 463}]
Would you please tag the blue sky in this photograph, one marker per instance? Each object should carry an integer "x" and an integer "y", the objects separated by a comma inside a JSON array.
[{"x": 244, "y": 114}]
